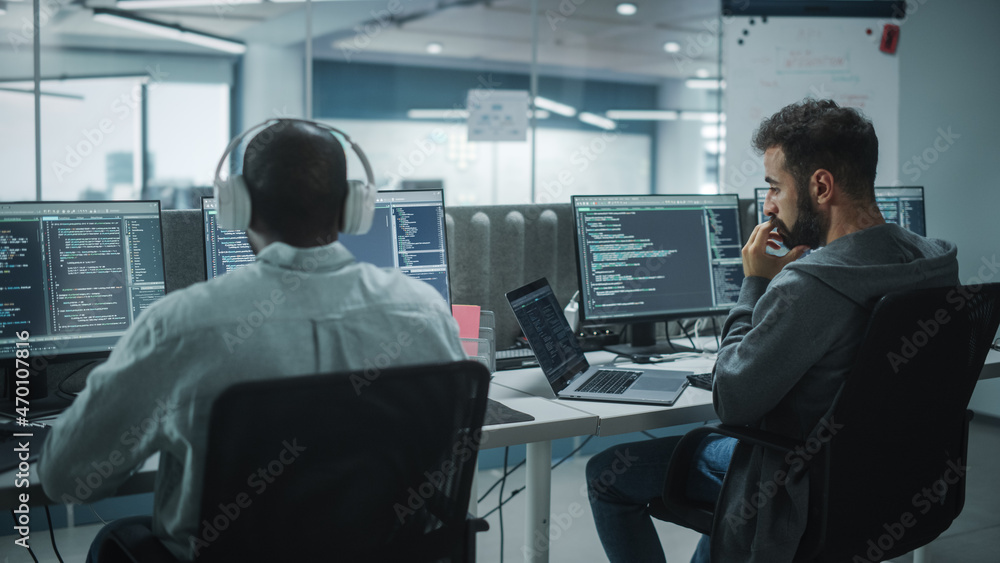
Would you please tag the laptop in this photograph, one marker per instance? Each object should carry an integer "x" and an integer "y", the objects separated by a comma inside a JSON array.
[{"x": 561, "y": 358}]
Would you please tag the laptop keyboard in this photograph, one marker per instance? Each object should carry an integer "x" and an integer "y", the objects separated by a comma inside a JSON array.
[{"x": 610, "y": 381}]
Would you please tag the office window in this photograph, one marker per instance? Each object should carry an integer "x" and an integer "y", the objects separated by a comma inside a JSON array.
[
  {"x": 17, "y": 143},
  {"x": 188, "y": 127},
  {"x": 91, "y": 138}
]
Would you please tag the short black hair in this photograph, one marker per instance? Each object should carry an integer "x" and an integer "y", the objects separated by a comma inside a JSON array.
[
  {"x": 296, "y": 174},
  {"x": 816, "y": 134}
]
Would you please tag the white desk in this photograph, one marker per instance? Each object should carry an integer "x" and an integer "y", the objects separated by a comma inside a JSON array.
[
  {"x": 694, "y": 405},
  {"x": 553, "y": 420}
]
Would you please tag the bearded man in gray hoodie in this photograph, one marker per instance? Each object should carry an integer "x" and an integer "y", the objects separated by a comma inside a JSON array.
[{"x": 788, "y": 343}]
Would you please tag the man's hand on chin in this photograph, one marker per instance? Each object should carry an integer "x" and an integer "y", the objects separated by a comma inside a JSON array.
[{"x": 756, "y": 260}]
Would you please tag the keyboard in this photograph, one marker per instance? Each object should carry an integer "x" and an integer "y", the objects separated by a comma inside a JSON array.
[
  {"x": 610, "y": 381},
  {"x": 515, "y": 358},
  {"x": 701, "y": 380}
]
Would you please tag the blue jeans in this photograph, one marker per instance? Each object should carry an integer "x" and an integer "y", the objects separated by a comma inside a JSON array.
[{"x": 621, "y": 481}]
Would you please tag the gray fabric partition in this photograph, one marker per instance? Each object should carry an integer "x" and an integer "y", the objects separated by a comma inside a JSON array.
[
  {"x": 494, "y": 249},
  {"x": 183, "y": 248}
]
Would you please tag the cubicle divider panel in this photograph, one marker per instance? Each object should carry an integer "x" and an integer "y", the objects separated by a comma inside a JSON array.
[
  {"x": 494, "y": 249},
  {"x": 183, "y": 248}
]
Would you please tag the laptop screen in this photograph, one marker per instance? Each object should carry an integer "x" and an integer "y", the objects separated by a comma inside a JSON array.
[{"x": 548, "y": 333}]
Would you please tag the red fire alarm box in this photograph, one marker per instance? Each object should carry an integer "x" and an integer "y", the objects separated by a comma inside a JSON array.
[{"x": 890, "y": 38}]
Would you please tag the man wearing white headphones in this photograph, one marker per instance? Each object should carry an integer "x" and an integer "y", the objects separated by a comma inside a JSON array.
[{"x": 304, "y": 307}]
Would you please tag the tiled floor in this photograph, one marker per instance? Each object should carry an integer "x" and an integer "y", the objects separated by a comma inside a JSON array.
[{"x": 973, "y": 538}]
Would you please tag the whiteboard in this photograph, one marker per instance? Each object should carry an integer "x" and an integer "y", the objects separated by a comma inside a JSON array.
[{"x": 788, "y": 59}]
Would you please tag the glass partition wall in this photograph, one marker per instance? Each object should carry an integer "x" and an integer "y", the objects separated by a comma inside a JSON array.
[{"x": 500, "y": 102}]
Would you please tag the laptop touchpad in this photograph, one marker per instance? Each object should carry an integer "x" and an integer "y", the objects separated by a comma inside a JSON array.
[{"x": 660, "y": 381}]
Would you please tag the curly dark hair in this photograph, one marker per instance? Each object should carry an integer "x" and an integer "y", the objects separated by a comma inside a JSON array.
[
  {"x": 816, "y": 134},
  {"x": 297, "y": 177}
]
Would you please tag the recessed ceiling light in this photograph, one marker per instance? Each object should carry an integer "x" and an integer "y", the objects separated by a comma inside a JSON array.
[
  {"x": 701, "y": 73},
  {"x": 627, "y": 9},
  {"x": 672, "y": 47},
  {"x": 434, "y": 48}
]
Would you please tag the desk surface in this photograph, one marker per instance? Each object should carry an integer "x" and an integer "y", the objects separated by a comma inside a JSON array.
[{"x": 694, "y": 405}]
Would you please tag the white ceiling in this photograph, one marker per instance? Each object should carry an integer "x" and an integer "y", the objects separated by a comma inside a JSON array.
[{"x": 590, "y": 37}]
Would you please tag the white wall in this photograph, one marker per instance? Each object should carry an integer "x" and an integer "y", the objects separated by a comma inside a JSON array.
[{"x": 949, "y": 79}]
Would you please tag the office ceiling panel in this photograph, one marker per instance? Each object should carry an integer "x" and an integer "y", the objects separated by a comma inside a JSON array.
[{"x": 590, "y": 37}]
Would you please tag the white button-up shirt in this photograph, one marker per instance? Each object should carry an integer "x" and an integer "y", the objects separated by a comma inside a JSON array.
[{"x": 294, "y": 311}]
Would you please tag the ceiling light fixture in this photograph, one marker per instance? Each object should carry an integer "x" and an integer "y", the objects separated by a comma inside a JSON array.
[
  {"x": 702, "y": 73},
  {"x": 627, "y": 9},
  {"x": 642, "y": 114},
  {"x": 554, "y": 107},
  {"x": 435, "y": 48},
  {"x": 705, "y": 83},
  {"x": 672, "y": 47},
  {"x": 597, "y": 121},
  {"x": 169, "y": 31},
  {"x": 456, "y": 114},
  {"x": 154, "y": 4}
]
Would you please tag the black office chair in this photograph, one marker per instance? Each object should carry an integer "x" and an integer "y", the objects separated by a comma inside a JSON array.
[
  {"x": 905, "y": 425},
  {"x": 347, "y": 469}
]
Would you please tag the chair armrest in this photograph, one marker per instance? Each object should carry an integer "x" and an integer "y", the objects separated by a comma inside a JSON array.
[
  {"x": 140, "y": 545},
  {"x": 698, "y": 515},
  {"x": 477, "y": 524}
]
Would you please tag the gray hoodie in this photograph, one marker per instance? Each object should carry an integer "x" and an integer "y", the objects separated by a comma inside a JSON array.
[{"x": 787, "y": 347}]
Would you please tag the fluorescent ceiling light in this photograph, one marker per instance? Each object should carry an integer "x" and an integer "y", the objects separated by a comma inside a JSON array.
[
  {"x": 434, "y": 48},
  {"x": 554, "y": 107},
  {"x": 705, "y": 83},
  {"x": 437, "y": 114},
  {"x": 627, "y": 9},
  {"x": 597, "y": 121},
  {"x": 169, "y": 31},
  {"x": 672, "y": 47},
  {"x": 457, "y": 114},
  {"x": 703, "y": 116},
  {"x": 642, "y": 114},
  {"x": 154, "y": 4}
]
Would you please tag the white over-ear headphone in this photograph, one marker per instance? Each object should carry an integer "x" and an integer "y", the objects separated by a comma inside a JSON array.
[{"x": 233, "y": 199}]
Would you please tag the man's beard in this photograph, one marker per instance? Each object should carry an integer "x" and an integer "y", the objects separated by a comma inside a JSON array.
[{"x": 810, "y": 228}]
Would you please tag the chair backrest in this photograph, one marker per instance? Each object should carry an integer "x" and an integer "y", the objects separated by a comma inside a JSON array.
[
  {"x": 356, "y": 466},
  {"x": 893, "y": 448}
]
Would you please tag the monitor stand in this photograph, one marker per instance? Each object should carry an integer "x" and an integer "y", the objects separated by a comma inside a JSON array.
[
  {"x": 644, "y": 343},
  {"x": 40, "y": 404}
]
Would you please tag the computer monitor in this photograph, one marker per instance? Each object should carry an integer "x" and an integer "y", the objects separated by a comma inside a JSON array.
[
  {"x": 649, "y": 258},
  {"x": 903, "y": 206},
  {"x": 408, "y": 233},
  {"x": 74, "y": 276}
]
